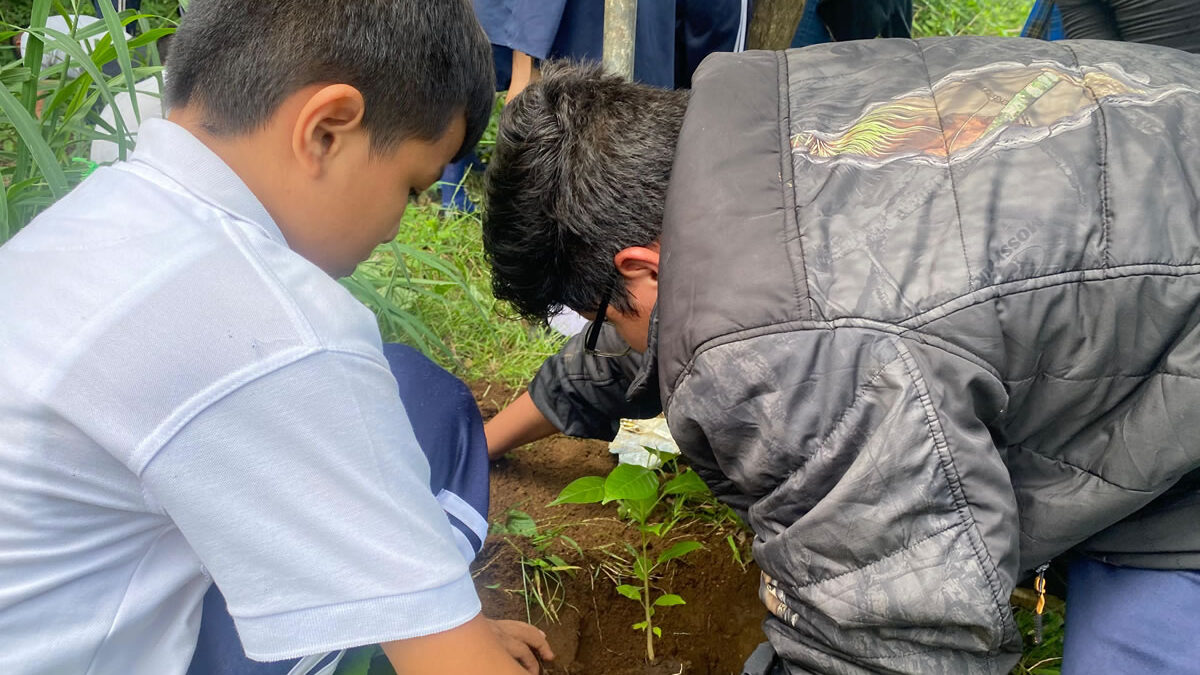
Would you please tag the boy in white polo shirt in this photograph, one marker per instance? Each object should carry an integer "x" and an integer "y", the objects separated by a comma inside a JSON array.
[{"x": 187, "y": 396}]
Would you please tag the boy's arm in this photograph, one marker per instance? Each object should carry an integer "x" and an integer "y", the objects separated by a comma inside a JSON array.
[
  {"x": 523, "y": 72},
  {"x": 478, "y": 646},
  {"x": 578, "y": 394},
  {"x": 520, "y": 423}
]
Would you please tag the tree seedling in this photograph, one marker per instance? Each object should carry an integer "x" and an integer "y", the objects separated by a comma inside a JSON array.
[{"x": 638, "y": 491}]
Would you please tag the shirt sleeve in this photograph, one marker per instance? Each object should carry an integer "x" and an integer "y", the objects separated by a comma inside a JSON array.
[
  {"x": 305, "y": 495},
  {"x": 587, "y": 396}
]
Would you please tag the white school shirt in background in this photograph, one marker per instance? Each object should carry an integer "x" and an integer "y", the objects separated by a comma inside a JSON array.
[{"x": 182, "y": 396}]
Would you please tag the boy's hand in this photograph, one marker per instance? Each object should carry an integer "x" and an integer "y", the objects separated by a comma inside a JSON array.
[{"x": 521, "y": 640}]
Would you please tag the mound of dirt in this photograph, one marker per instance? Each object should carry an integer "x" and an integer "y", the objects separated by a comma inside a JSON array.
[{"x": 713, "y": 633}]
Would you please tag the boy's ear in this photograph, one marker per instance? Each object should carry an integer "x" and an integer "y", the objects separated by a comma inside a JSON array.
[
  {"x": 638, "y": 263},
  {"x": 325, "y": 124}
]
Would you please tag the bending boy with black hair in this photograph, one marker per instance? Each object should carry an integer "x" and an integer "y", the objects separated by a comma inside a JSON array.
[
  {"x": 189, "y": 395},
  {"x": 923, "y": 312}
]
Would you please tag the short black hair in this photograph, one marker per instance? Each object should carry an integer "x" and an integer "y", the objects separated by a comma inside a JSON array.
[
  {"x": 417, "y": 63},
  {"x": 579, "y": 172}
]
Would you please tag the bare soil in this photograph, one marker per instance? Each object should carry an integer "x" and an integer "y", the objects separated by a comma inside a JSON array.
[{"x": 713, "y": 633}]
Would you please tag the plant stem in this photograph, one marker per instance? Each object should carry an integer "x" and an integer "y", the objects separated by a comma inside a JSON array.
[{"x": 646, "y": 599}]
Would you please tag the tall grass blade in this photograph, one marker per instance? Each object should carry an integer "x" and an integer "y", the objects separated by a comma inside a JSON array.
[
  {"x": 72, "y": 48},
  {"x": 29, "y": 93},
  {"x": 5, "y": 232},
  {"x": 32, "y": 142},
  {"x": 120, "y": 41}
]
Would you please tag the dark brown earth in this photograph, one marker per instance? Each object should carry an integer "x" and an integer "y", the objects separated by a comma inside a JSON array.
[{"x": 712, "y": 634}]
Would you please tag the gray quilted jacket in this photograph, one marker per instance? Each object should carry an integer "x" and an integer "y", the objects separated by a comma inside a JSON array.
[{"x": 929, "y": 314}]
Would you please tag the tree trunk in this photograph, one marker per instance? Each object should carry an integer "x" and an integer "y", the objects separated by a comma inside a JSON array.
[{"x": 775, "y": 23}]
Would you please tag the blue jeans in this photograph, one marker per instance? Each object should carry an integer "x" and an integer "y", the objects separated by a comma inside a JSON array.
[
  {"x": 1131, "y": 620},
  {"x": 449, "y": 429}
]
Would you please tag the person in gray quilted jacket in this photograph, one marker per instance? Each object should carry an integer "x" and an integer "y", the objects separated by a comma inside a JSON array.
[{"x": 926, "y": 313}]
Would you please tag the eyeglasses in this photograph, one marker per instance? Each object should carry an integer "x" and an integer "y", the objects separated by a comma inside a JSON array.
[{"x": 593, "y": 331}]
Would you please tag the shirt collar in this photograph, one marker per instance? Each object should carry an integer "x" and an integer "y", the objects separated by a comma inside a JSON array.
[
  {"x": 647, "y": 375},
  {"x": 175, "y": 152}
]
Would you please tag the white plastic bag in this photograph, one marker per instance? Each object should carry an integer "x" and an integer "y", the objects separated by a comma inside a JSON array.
[{"x": 635, "y": 436}]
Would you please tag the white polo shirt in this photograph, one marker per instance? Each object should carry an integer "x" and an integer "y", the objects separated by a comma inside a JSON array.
[{"x": 182, "y": 397}]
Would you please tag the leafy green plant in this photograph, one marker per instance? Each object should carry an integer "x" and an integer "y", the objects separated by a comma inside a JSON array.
[
  {"x": 639, "y": 492},
  {"x": 50, "y": 116},
  {"x": 541, "y": 569}
]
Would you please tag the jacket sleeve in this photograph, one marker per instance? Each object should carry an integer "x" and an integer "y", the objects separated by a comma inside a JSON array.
[
  {"x": 586, "y": 396},
  {"x": 886, "y": 527}
]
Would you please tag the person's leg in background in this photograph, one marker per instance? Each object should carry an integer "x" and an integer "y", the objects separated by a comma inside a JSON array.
[
  {"x": 812, "y": 30},
  {"x": 1045, "y": 22},
  {"x": 866, "y": 19},
  {"x": 446, "y": 422},
  {"x": 581, "y": 37},
  {"x": 454, "y": 197},
  {"x": 706, "y": 26},
  {"x": 121, "y": 6},
  {"x": 1131, "y": 620}
]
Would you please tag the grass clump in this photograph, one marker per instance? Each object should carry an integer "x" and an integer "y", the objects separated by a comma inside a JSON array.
[
  {"x": 970, "y": 17},
  {"x": 431, "y": 288}
]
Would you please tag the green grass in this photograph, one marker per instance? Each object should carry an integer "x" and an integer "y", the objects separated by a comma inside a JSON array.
[
  {"x": 969, "y": 17},
  {"x": 433, "y": 291}
]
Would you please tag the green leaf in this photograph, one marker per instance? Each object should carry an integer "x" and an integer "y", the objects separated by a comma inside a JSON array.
[
  {"x": 519, "y": 523},
  {"x": 681, "y": 548},
  {"x": 686, "y": 483},
  {"x": 657, "y": 632},
  {"x": 642, "y": 568},
  {"x": 631, "y": 592},
  {"x": 572, "y": 543},
  {"x": 655, "y": 529},
  {"x": 586, "y": 490},
  {"x": 737, "y": 552},
  {"x": 641, "y": 625},
  {"x": 664, "y": 457},
  {"x": 31, "y": 137},
  {"x": 5, "y": 232},
  {"x": 632, "y": 482},
  {"x": 669, "y": 600},
  {"x": 116, "y": 31},
  {"x": 640, "y": 509}
]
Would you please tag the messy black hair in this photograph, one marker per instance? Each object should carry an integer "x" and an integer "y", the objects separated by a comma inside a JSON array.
[
  {"x": 416, "y": 63},
  {"x": 579, "y": 172}
]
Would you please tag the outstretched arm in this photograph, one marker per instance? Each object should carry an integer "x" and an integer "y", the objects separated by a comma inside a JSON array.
[
  {"x": 520, "y": 423},
  {"x": 579, "y": 394}
]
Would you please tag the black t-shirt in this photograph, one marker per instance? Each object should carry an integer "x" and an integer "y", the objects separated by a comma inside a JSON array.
[{"x": 1170, "y": 23}]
